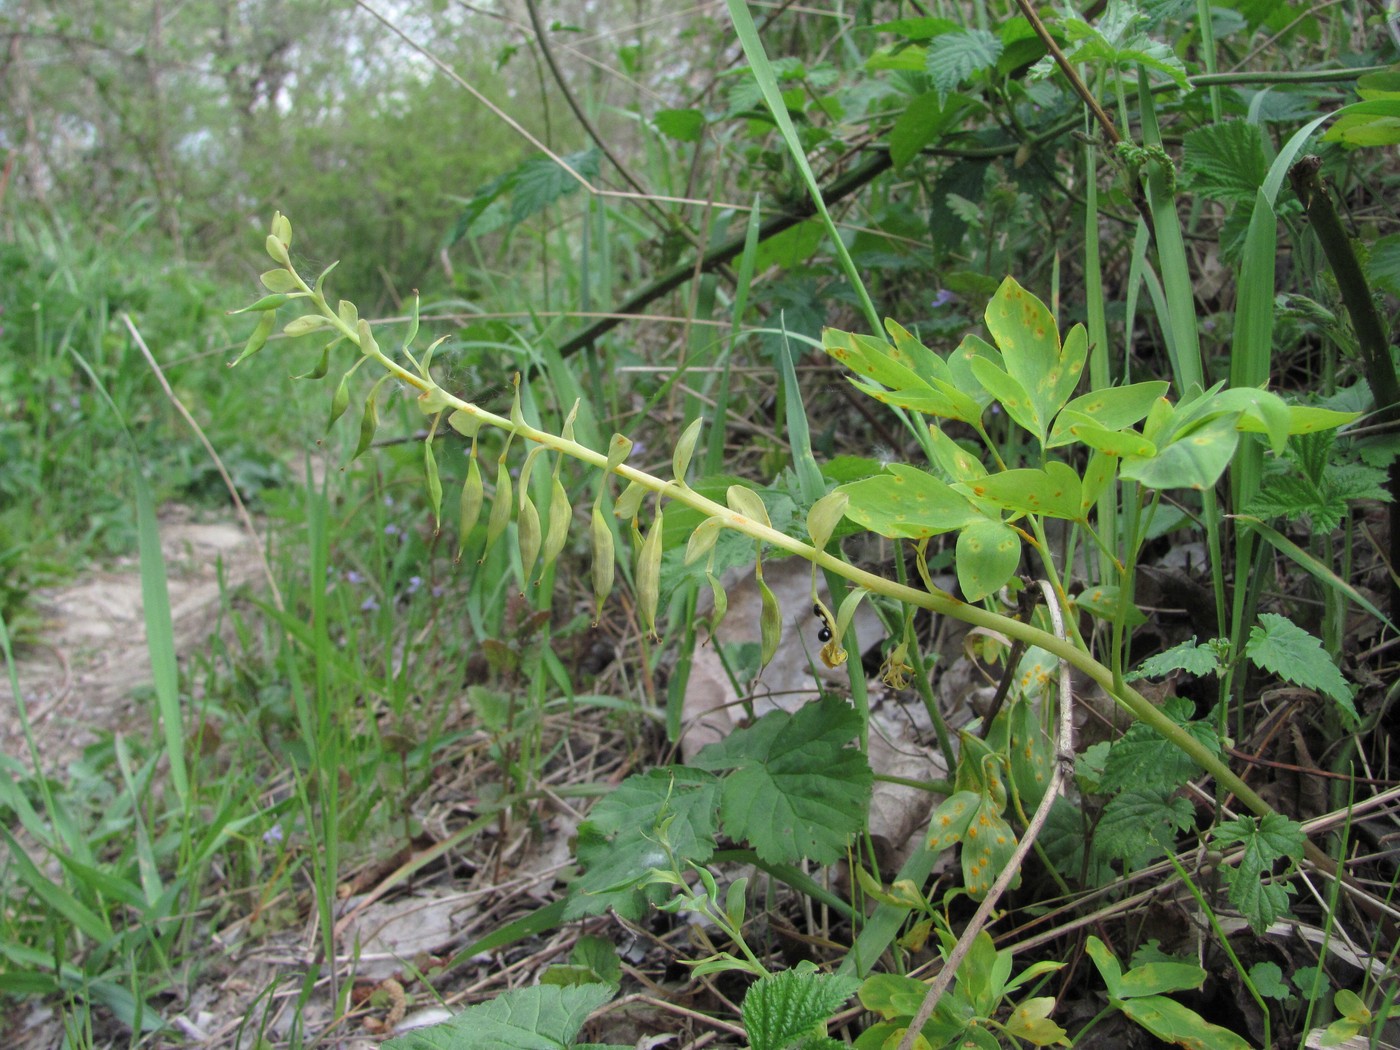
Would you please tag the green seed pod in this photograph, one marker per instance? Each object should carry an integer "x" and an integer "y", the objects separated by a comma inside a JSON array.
[
  {"x": 279, "y": 281},
  {"x": 524, "y": 480},
  {"x": 349, "y": 316},
  {"x": 824, "y": 516},
  {"x": 322, "y": 367},
  {"x": 649, "y": 575},
  {"x": 748, "y": 503},
  {"x": 527, "y": 523},
  {"x": 261, "y": 331},
  {"x": 770, "y": 624},
  {"x": 630, "y": 501},
  {"x": 305, "y": 323},
  {"x": 618, "y": 449},
  {"x": 277, "y": 251},
  {"x": 340, "y": 400},
  {"x": 430, "y": 468},
  {"x": 561, "y": 513},
  {"x": 369, "y": 422},
  {"x": 268, "y": 302},
  {"x": 604, "y": 556},
  {"x": 685, "y": 447},
  {"x": 473, "y": 497},
  {"x": 702, "y": 540},
  {"x": 721, "y": 601},
  {"x": 500, "y": 507}
]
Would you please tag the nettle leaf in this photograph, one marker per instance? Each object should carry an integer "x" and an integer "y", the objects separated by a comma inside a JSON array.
[
  {"x": 953, "y": 57},
  {"x": 796, "y": 791},
  {"x": 922, "y": 123},
  {"x": 781, "y": 1008},
  {"x": 1138, "y": 823},
  {"x": 1191, "y": 657},
  {"x": 1226, "y": 161},
  {"x": 683, "y": 125},
  {"x": 540, "y": 181},
  {"x": 1261, "y": 901},
  {"x": 907, "y": 502},
  {"x": 620, "y": 841},
  {"x": 1279, "y": 646},
  {"x": 538, "y": 1018},
  {"x": 988, "y": 554},
  {"x": 1143, "y": 760}
]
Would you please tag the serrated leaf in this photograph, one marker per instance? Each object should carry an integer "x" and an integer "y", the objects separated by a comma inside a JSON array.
[
  {"x": 988, "y": 554},
  {"x": 619, "y": 843},
  {"x": 922, "y": 123},
  {"x": 1189, "y": 656},
  {"x": 683, "y": 125},
  {"x": 539, "y": 181},
  {"x": 795, "y": 791},
  {"x": 1143, "y": 760},
  {"x": 542, "y": 1017},
  {"x": 953, "y": 57},
  {"x": 782, "y": 1007},
  {"x": 1140, "y": 821},
  {"x": 1281, "y": 647},
  {"x": 1226, "y": 161}
]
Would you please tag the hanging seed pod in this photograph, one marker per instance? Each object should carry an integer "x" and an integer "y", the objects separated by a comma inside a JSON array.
[
  {"x": 561, "y": 513},
  {"x": 268, "y": 302},
  {"x": 604, "y": 556},
  {"x": 473, "y": 497},
  {"x": 630, "y": 502},
  {"x": 649, "y": 576},
  {"x": 279, "y": 281},
  {"x": 465, "y": 423},
  {"x": 685, "y": 447},
  {"x": 500, "y": 507},
  {"x": 261, "y": 332},
  {"x": 322, "y": 367},
  {"x": 824, "y": 516},
  {"x": 770, "y": 624},
  {"x": 527, "y": 523},
  {"x": 748, "y": 503},
  {"x": 430, "y": 469},
  {"x": 721, "y": 602},
  {"x": 702, "y": 540},
  {"x": 305, "y": 323},
  {"x": 340, "y": 400},
  {"x": 369, "y": 422}
]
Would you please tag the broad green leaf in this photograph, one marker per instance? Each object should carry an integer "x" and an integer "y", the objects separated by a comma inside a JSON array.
[
  {"x": 1157, "y": 978},
  {"x": 907, "y": 502},
  {"x": 823, "y": 517},
  {"x": 1054, "y": 491},
  {"x": 618, "y": 843},
  {"x": 1105, "y": 602},
  {"x": 540, "y": 181},
  {"x": 971, "y": 349},
  {"x": 1032, "y": 754},
  {"x": 543, "y": 1017},
  {"x": 781, "y": 1008},
  {"x": 746, "y": 501},
  {"x": 922, "y": 123},
  {"x": 956, "y": 461},
  {"x": 1194, "y": 461},
  {"x": 1025, "y": 332},
  {"x": 1303, "y": 419},
  {"x": 795, "y": 791},
  {"x": 988, "y": 554},
  {"x": 1074, "y": 426},
  {"x": 1281, "y": 647},
  {"x": 1258, "y": 409},
  {"x": 683, "y": 125},
  {"x": 1106, "y": 963},
  {"x": 1114, "y": 408},
  {"x": 1010, "y": 394},
  {"x": 1031, "y": 1021},
  {"x": 1173, "y": 1023},
  {"x": 987, "y": 847}
]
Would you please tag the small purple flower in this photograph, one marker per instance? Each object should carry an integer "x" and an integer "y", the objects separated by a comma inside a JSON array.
[
  {"x": 388, "y": 501},
  {"x": 438, "y": 590},
  {"x": 370, "y": 604},
  {"x": 943, "y": 298},
  {"x": 273, "y": 835},
  {"x": 414, "y": 582},
  {"x": 354, "y": 577},
  {"x": 392, "y": 530}
]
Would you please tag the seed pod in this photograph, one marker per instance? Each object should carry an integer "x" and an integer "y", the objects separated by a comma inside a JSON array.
[
  {"x": 824, "y": 516},
  {"x": 748, "y": 503},
  {"x": 527, "y": 524},
  {"x": 340, "y": 400},
  {"x": 261, "y": 331},
  {"x": 349, "y": 316},
  {"x": 465, "y": 423},
  {"x": 268, "y": 302},
  {"x": 527, "y": 468},
  {"x": 649, "y": 576},
  {"x": 603, "y": 557},
  {"x": 500, "y": 507},
  {"x": 630, "y": 501},
  {"x": 322, "y": 367},
  {"x": 277, "y": 251},
  {"x": 685, "y": 447},
  {"x": 279, "y": 281},
  {"x": 721, "y": 602},
  {"x": 369, "y": 422},
  {"x": 702, "y": 540},
  {"x": 473, "y": 496},
  {"x": 561, "y": 513},
  {"x": 770, "y": 624},
  {"x": 430, "y": 468},
  {"x": 305, "y": 323}
]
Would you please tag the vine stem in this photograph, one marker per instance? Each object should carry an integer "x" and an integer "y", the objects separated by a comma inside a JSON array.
[{"x": 1064, "y": 763}]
